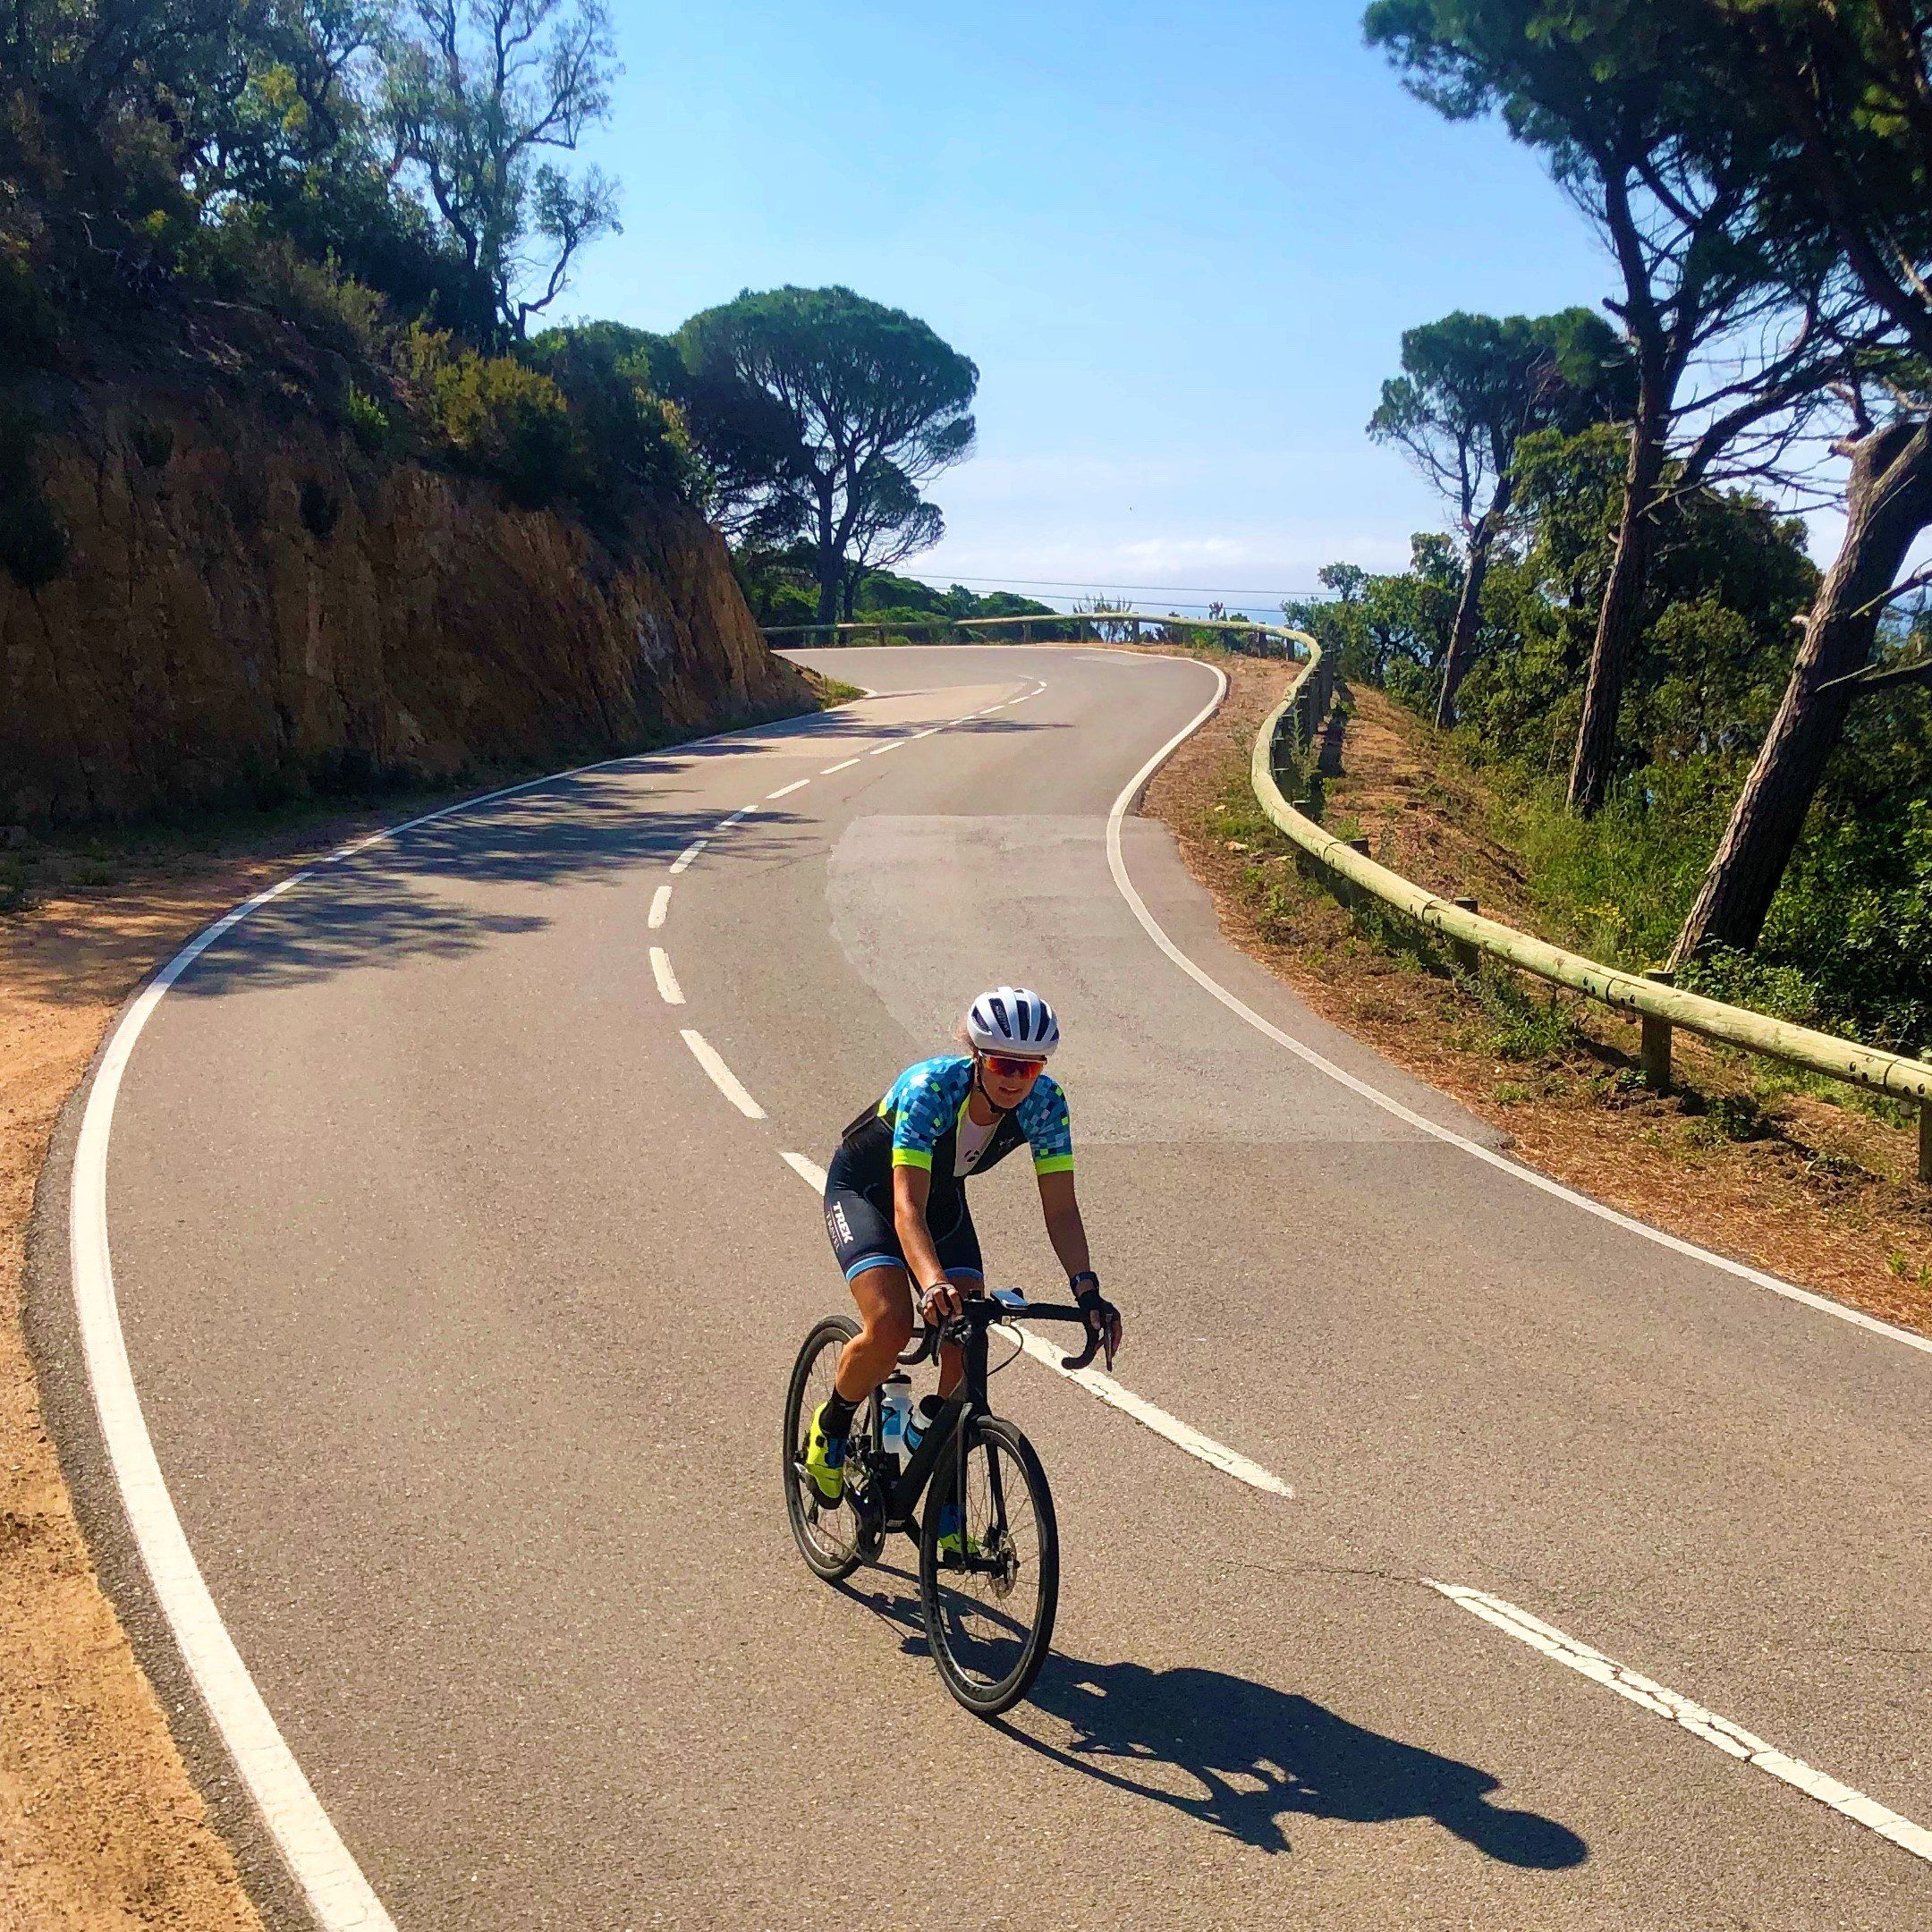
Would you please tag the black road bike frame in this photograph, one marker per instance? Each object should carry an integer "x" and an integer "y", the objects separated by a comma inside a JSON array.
[{"x": 896, "y": 1508}]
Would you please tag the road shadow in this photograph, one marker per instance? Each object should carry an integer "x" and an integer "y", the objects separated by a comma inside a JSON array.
[
  {"x": 1240, "y": 1756},
  {"x": 408, "y": 897}
]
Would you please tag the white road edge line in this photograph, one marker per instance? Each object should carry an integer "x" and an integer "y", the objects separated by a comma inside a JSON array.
[
  {"x": 844, "y": 765},
  {"x": 1203, "y": 1448},
  {"x": 660, "y": 904},
  {"x": 722, "y": 1077},
  {"x": 784, "y": 791},
  {"x": 321, "y": 1864},
  {"x": 660, "y": 966},
  {"x": 1389, "y": 1104},
  {"x": 1731, "y": 1738},
  {"x": 685, "y": 857}
]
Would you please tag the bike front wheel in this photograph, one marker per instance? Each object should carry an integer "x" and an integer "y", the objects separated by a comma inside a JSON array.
[
  {"x": 828, "y": 1535},
  {"x": 989, "y": 1567}
]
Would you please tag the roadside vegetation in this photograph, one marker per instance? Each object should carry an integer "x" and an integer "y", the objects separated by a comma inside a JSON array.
[
  {"x": 1704, "y": 752},
  {"x": 375, "y": 208},
  {"x": 1798, "y": 1175}
]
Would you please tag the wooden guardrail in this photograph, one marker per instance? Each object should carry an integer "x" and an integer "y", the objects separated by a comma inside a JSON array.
[
  {"x": 1658, "y": 1004},
  {"x": 1104, "y": 627},
  {"x": 1295, "y": 721}
]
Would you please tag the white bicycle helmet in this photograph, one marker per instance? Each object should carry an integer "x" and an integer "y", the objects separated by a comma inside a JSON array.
[{"x": 1011, "y": 1020}]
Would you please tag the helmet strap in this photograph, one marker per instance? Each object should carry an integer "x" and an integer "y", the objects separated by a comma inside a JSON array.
[{"x": 979, "y": 1086}]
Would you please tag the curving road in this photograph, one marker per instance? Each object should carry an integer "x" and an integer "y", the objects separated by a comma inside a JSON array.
[{"x": 459, "y": 1295}]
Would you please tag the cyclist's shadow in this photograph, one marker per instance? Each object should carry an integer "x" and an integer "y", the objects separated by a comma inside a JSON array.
[{"x": 1256, "y": 1753}]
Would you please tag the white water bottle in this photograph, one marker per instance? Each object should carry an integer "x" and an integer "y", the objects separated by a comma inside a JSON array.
[
  {"x": 895, "y": 1404},
  {"x": 919, "y": 1418}
]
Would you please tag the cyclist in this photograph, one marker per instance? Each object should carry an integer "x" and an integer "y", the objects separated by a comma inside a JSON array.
[{"x": 895, "y": 1200}]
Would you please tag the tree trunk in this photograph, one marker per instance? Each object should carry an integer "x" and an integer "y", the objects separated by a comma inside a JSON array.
[
  {"x": 1888, "y": 501},
  {"x": 1469, "y": 606},
  {"x": 830, "y": 562},
  {"x": 1620, "y": 615}
]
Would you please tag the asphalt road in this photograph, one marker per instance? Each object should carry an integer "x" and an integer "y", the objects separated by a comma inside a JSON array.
[{"x": 461, "y": 1301}]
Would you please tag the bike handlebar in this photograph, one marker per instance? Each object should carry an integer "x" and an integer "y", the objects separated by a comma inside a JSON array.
[{"x": 987, "y": 1310}]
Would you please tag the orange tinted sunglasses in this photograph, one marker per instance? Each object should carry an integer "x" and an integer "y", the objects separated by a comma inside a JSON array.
[{"x": 1009, "y": 1068}]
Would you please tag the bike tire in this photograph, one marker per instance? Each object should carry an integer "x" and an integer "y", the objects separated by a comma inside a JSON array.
[
  {"x": 987, "y": 1655},
  {"x": 828, "y": 1539}
]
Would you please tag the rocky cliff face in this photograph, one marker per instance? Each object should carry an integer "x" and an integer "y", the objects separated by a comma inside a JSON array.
[{"x": 251, "y": 606}]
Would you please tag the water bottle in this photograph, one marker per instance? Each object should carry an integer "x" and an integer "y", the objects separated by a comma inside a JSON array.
[
  {"x": 919, "y": 1418},
  {"x": 895, "y": 1404}
]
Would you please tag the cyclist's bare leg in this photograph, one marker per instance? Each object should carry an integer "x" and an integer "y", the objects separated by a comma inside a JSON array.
[{"x": 884, "y": 1298}]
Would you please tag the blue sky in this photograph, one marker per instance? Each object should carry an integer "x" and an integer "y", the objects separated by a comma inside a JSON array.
[{"x": 1181, "y": 243}]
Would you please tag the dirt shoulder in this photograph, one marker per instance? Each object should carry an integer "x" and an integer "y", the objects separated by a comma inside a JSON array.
[{"x": 1740, "y": 1158}]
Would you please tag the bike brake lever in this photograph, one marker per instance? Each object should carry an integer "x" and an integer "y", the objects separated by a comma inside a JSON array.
[{"x": 1070, "y": 1362}]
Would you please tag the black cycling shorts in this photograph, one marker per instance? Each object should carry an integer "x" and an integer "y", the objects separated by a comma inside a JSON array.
[{"x": 863, "y": 1236}]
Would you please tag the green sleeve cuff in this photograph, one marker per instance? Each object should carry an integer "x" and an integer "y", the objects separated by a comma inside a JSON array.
[
  {"x": 1053, "y": 1164},
  {"x": 907, "y": 1157}
]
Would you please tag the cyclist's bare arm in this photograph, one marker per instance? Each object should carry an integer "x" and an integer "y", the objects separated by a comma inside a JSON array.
[
  {"x": 1068, "y": 1233},
  {"x": 1065, "y": 1228},
  {"x": 911, "y": 1188}
]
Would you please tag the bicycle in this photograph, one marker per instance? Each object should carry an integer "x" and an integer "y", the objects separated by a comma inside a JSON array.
[{"x": 988, "y": 1601}]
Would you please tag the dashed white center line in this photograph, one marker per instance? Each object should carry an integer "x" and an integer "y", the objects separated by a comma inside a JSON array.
[
  {"x": 797, "y": 785},
  {"x": 725, "y": 825},
  {"x": 968, "y": 719},
  {"x": 987, "y": 710},
  {"x": 844, "y": 765},
  {"x": 1731, "y": 1738},
  {"x": 722, "y": 1077},
  {"x": 689, "y": 852},
  {"x": 660, "y": 904},
  {"x": 880, "y": 750},
  {"x": 660, "y": 965},
  {"x": 929, "y": 730},
  {"x": 1204, "y": 1448}
]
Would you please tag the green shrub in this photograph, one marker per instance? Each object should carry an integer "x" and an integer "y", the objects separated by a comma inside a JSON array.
[
  {"x": 509, "y": 421},
  {"x": 368, "y": 422}
]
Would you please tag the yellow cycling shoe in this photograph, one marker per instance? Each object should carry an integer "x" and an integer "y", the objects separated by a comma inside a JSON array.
[
  {"x": 825, "y": 1459},
  {"x": 953, "y": 1545}
]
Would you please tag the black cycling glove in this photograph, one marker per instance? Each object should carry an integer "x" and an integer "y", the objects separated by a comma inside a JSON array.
[{"x": 1100, "y": 1313}]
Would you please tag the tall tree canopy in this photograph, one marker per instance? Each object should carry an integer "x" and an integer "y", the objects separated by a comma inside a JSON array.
[
  {"x": 1838, "y": 100},
  {"x": 476, "y": 99},
  {"x": 828, "y": 412},
  {"x": 1472, "y": 387},
  {"x": 1610, "y": 92}
]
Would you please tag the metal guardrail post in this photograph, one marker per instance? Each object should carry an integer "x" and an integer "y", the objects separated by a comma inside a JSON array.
[
  {"x": 1654, "y": 1050},
  {"x": 1468, "y": 961}
]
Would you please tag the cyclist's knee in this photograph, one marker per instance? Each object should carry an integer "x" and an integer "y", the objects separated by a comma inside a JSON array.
[{"x": 889, "y": 1328}]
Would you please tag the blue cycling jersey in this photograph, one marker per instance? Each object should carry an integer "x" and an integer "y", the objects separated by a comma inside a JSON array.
[{"x": 919, "y": 1118}]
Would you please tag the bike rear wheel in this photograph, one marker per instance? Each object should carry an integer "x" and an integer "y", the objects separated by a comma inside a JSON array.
[
  {"x": 989, "y": 1605},
  {"x": 828, "y": 1535}
]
